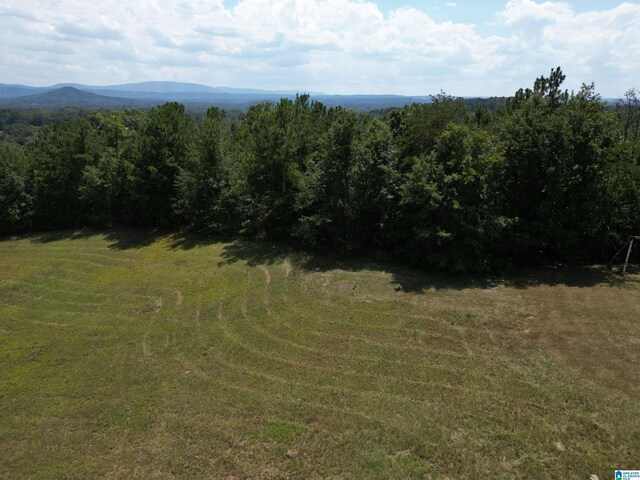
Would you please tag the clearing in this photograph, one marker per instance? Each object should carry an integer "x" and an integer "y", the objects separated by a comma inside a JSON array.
[{"x": 129, "y": 355}]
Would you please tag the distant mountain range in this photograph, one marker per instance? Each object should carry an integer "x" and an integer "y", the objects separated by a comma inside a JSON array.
[
  {"x": 147, "y": 94},
  {"x": 176, "y": 87},
  {"x": 69, "y": 96}
]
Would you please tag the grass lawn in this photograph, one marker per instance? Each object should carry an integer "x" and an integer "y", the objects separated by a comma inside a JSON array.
[{"x": 127, "y": 355}]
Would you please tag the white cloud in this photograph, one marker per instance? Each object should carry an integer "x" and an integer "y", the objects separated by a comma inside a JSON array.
[
  {"x": 527, "y": 10},
  {"x": 341, "y": 46},
  {"x": 603, "y": 46}
]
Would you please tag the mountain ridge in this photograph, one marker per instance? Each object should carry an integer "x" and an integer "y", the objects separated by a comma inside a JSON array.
[
  {"x": 69, "y": 96},
  {"x": 155, "y": 86},
  {"x": 148, "y": 94}
]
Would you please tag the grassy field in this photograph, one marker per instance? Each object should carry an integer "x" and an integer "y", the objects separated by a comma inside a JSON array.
[{"x": 128, "y": 355}]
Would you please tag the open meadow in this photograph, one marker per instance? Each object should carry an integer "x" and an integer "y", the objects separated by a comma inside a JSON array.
[{"x": 133, "y": 355}]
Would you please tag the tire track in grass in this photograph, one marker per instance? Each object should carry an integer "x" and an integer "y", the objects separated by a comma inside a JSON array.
[
  {"x": 179, "y": 298},
  {"x": 90, "y": 307},
  {"x": 58, "y": 291},
  {"x": 435, "y": 384},
  {"x": 477, "y": 355},
  {"x": 146, "y": 350},
  {"x": 376, "y": 328},
  {"x": 77, "y": 252},
  {"x": 438, "y": 336},
  {"x": 44, "y": 323},
  {"x": 333, "y": 297},
  {"x": 45, "y": 300},
  {"x": 62, "y": 280},
  {"x": 74, "y": 272},
  {"x": 310, "y": 349},
  {"x": 304, "y": 384},
  {"x": 75, "y": 325},
  {"x": 252, "y": 324},
  {"x": 48, "y": 314},
  {"x": 35, "y": 310},
  {"x": 404, "y": 330},
  {"x": 267, "y": 302},
  {"x": 261, "y": 393},
  {"x": 345, "y": 392},
  {"x": 424, "y": 349},
  {"x": 197, "y": 319},
  {"x": 346, "y": 415},
  {"x": 71, "y": 260},
  {"x": 287, "y": 267},
  {"x": 256, "y": 395},
  {"x": 366, "y": 359},
  {"x": 440, "y": 323},
  {"x": 244, "y": 298}
]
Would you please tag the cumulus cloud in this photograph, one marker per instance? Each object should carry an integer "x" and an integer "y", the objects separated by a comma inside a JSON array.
[
  {"x": 528, "y": 10},
  {"x": 339, "y": 46},
  {"x": 600, "y": 45}
]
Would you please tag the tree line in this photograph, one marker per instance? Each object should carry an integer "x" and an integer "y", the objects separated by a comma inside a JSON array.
[{"x": 551, "y": 176}]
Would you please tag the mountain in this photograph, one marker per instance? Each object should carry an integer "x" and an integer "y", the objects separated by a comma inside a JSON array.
[
  {"x": 69, "y": 96},
  {"x": 146, "y": 94},
  {"x": 156, "y": 87},
  {"x": 19, "y": 90},
  {"x": 144, "y": 87}
]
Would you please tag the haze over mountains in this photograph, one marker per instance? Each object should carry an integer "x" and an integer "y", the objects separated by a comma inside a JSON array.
[
  {"x": 70, "y": 96},
  {"x": 147, "y": 94}
]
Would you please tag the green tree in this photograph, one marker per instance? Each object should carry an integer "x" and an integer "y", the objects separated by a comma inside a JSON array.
[
  {"x": 628, "y": 111},
  {"x": 15, "y": 195},
  {"x": 106, "y": 188},
  {"x": 59, "y": 155},
  {"x": 164, "y": 144},
  {"x": 417, "y": 126},
  {"x": 555, "y": 163},
  {"x": 276, "y": 141},
  {"x": 348, "y": 184},
  {"x": 201, "y": 179},
  {"x": 448, "y": 212}
]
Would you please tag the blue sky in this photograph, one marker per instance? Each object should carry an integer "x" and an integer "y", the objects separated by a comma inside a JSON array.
[
  {"x": 413, "y": 47},
  {"x": 482, "y": 13},
  {"x": 479, "y": 11}
]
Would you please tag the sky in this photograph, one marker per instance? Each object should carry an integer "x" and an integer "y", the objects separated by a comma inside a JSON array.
[{"x": 409, "y": 47}]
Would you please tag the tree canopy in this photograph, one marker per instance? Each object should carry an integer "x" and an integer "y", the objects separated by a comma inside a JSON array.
[{"x": 552, "y": 176}]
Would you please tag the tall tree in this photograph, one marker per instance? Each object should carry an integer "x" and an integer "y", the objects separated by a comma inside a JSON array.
[
  {"x": 201, "y": 179},
  {"x": 165, "y": 138},
  {"x": 15, "y": 195}
]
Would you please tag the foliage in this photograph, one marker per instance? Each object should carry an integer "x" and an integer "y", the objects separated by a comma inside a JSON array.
[
  {"x": 165, "y": 138},
  {"x": 448, "y": 213},
  {"x": 15, "y": 198},
  {"x": 552, "y": 176},
  {"x": 201, "y": 179}
]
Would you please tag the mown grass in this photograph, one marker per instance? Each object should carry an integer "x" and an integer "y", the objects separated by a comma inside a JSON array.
[{"x": 129, "y": 355}]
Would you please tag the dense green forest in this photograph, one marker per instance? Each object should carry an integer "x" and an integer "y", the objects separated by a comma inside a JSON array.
[{"x": 551, "y": 176}]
